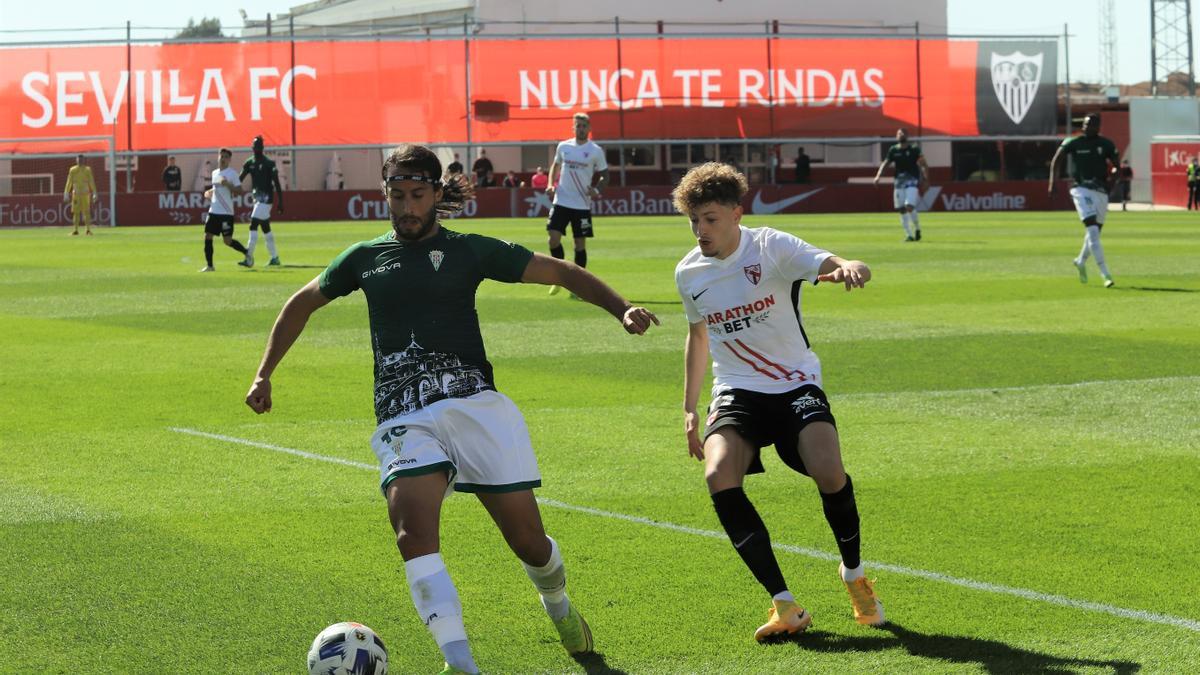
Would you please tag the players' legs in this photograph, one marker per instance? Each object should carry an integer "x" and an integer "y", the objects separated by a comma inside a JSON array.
[
  {"x": 516, "y": 515},
  {"x": 208, "y": 249},
  {"x": 75, "y": 215},
  {"x": 727, "y": 457},
  {"x": 1091, "y": 243},
  {"x": 914, "y": 220},
  {"x": 269, "y": 236},
  {"x": 581, "y": 251},
  {"x": 555, "y": 242},
  {"x": 234, "y": 244},
  {"x": 414, "y": 508},
  {"x": 252, "y": 242},
  {"x": 822, "y": 456}
]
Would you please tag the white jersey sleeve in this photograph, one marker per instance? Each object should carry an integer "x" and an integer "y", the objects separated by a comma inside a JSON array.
[
  {"x": 689, "y": 304},
  {"x": 793, "y": 257}
]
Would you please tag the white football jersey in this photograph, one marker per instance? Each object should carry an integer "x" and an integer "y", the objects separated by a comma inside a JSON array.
[
  {"x": 222, "y": 199},
  {"x": 578, "y": 164},
  {"x": 750, "y": 302}
]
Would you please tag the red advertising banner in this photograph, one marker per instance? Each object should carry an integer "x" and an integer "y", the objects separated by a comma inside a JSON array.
[
  {"x": 184, "y": 95},
  {"x": 1168, "y": 170},
  {"x": 189, "y": 208}
]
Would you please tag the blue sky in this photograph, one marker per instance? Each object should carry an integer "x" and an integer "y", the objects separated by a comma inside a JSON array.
[{"x": 964, "y": 17}]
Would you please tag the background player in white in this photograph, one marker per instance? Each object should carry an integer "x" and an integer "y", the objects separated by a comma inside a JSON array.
[
  {"x": 451, "y": 430},
  {"x": 225, "y": 184},
  {"x": 577, "y": 175},
  {"x": 911, "y": 174},
  {"x": 1091, "y": 156},
  {"x": 741, "y": 294}
]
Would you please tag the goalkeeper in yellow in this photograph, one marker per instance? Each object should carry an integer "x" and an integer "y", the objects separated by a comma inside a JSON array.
[{"x": 81, "y": 188}]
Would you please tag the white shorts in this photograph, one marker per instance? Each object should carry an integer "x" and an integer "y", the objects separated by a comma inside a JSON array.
[
  {"x": 906, "y": 196},
  {"x": 481, "y": 441},
  {"x": 1090, "y": 203},
  {"x": 261, "y": 211}
]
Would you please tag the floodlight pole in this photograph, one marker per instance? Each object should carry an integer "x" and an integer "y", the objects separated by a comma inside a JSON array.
[{"x": 1067, "y": 62}]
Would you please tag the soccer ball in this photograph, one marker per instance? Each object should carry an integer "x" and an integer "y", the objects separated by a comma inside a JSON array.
[{"x": 347, "y": 648}]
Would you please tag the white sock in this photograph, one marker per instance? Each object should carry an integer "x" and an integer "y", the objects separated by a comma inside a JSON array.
[
  {"x": 1093, "y": 243},
  {"x": 550, "y": 580},
  {"x": 270, "y": 237},
  {"x": 1083, "y": 252},
  {"x": 916, "y": 222},
  {"x": 785, "y": 596},
  {"x": 252, "y": 243},
  {"x": 436, "y": 600},
  {"x": 852, "y": 574},
  {"x": 904, "y": 222}
]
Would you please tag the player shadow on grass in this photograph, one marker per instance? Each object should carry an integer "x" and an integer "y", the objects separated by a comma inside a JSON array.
[
  {"x": 593, "y": 663},
  {"x": 993, "y": 656},
  {"x": 1162, "y": 289}
]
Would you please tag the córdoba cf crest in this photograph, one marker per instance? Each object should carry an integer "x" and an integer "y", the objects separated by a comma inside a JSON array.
[
  {"x": 1015, "y": 78},
  {"x": 436, "y": 257}
]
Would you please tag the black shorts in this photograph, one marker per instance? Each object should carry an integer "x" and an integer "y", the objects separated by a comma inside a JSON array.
[
  {"x": 770, "y": 419},
  {"x": 580, "y": 220},
  {"x": 218, "y": 224}
]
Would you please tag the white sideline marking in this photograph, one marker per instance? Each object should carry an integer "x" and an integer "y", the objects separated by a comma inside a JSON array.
[{"x": 1063, "y": 601}]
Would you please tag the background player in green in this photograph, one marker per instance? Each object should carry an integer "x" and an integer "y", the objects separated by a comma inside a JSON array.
[
  {"x": 1193, "y": 181},
  {"x": 442, "y": 424},
  {"x": 1091, "y": 154},
  {"x": 911, "y": 174},
  {"x": 264, "y": 180}
]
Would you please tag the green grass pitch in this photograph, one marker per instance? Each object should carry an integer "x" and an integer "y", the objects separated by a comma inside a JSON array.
[{"x": 1025, "y": 450}]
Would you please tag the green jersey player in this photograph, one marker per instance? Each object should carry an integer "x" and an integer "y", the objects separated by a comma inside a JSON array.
[
  {"x": 1091, "y": 154},
  {"x": 911, "y": 174},
  {"x": 442, "y": 424}
]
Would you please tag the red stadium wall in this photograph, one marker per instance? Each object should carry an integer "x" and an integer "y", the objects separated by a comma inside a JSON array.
[
  {"x": 1168, "y": 170},
  {"x": 188, "y": 95},
  {"x": 188, "y": 208}
]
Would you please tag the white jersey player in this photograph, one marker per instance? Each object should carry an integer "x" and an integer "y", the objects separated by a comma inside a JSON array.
[
  {"x": 576, "y": 177},
  {"x": 741, "y": 293},
  {"x": 225, "y": 184}
]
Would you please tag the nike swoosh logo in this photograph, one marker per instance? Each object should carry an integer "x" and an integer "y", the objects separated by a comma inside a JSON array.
[
  {"x": 697, "y": 296},
  {"x": 808, "y": 415},
  {"x": 743, "y": 542},
  {"x": 765, "y": 208}
]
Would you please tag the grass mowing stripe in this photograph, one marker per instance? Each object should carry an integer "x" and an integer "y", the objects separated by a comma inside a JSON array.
[{"x": 1047, "y": 598}]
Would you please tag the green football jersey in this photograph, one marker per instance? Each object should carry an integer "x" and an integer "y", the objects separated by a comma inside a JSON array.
[
  {"x": 263, "y": 175},
  {"x": 1089, "y": 160},
  {"x": 905, "y": 159},
  {"x": 421, "y": 303}
]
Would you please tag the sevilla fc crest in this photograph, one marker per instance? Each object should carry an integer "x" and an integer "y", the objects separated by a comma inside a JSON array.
[
  {"x": 1015, "y": 78},
  {"x": 753, "y": 273}
]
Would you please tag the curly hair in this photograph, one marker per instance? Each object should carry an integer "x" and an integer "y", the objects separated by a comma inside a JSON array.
[
  {"x": 456, "y": 192},
  {"x": 709, "y": 182}
]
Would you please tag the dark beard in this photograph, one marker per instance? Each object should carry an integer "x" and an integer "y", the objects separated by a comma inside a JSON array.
[{"x": 427, "y": 224}]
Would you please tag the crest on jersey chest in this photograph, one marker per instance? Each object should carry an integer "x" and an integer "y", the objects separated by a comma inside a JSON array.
[
  {"x": 753, "y": 273},
  {"x": 436, "y": 257}
]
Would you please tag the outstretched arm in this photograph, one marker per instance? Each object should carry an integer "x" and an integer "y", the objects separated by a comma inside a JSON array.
[
  {"x": 695, "y": 364},
  {"x": 551, "y": 177},
  {"x": 542, "y": 269},
  {"x": 1054, "y": 170},
  {"x": 278, "y": 192},
  {"x": 879, "y": 173},
  {"x": 850, "y": 272},
  {"x": 288, "y": 326}
]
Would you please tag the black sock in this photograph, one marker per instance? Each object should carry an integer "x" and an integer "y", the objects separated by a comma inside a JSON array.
[
  {"x": 581, "y": 257},
  {"x": 557, "y": 252},
  {"x": 237, "y": 246},
  {"x": 208, "y": 248},
  {"x": 842, "y": 513},
  {"x": 749, "y": 537}
]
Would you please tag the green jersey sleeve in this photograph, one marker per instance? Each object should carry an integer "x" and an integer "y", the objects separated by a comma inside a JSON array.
[
  {"x": 339, "y": 277},
  {"x": 500, "y": 260}
]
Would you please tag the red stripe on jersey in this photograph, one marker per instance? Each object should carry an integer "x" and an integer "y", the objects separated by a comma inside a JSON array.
[
  {"x": 579, "y": 185},
  {"x": 753, "y": 365},
  {"x": 787, "y": 374}
]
